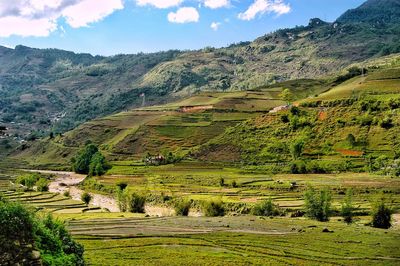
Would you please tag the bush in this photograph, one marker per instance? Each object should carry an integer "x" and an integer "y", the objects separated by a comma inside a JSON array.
[
  {"x": 266, "y": 208},
  {"x": 182, "y": 207},
  {"x": 136, "y": 203},
  {"x": 386, "y": 123},
  {"x": 234, "y": 184},
  {"x": 381, "y": 215},
  {"x": 213, "y": 208},
  {"x": 222, "y": 182},
  {"x": 67, "y": 194},
  {"x": 347, "y": 210},
  {"x": 86, "y": 198},
  {"x": 23, "y": 241},
  {"x": 317, "y": 205},
  {"x": 121, "y": 185},
  {"x": 28, "y": 180},
  {"x": 42, "y": 185}
]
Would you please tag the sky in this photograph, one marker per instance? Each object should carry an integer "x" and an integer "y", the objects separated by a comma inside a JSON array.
[{"x": 109, "y": 27}]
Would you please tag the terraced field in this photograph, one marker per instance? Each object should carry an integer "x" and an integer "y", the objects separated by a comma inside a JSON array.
[{"x": 239, "y": 240}]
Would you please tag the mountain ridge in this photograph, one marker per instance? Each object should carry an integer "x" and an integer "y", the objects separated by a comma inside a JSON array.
[{"x": 51, "y": 89}]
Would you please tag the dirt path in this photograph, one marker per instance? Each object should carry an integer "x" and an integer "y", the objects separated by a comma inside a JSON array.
[{"x": 68, "y": 181}]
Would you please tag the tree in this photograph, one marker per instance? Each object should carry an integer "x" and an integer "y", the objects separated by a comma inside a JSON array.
[
  {"x": 296, "y": 149},
  {"x": 351, "y": 140},
  {"x": 42, "y": 185},
  {"x": 317, "y": 205},
  {"x": 347, "y": 210},
  {"x": 90, "y": 161},
  {"x": 97, "y": 165},
  {"x": 86, "y": 198},
  {"x": 287, "y": 96},
  {"x": 381, "y": 215}
]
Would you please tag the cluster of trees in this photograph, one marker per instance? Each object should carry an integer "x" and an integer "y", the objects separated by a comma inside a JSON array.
[
  {"x": 29, "y": 239},
  {"x": 29, "y": 181},
  {"x": 90, "y": 161},
  {"x": 318, "y": 206}
]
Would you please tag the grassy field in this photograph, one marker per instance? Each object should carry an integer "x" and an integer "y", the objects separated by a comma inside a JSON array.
[{"x": 240, "y": 240}]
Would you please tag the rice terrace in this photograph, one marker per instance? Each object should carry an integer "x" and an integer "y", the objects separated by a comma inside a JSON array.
[{"x": 284, "y": 150}]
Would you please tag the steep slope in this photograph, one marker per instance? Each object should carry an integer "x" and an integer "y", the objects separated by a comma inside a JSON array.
[{"x": 43, "y": 89}]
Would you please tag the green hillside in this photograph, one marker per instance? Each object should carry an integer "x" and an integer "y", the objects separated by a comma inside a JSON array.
[
  {"x": 43, "y": 89},
  {"x": 351, "y": 126}
]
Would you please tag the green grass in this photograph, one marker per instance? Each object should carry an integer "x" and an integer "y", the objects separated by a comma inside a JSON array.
[{"x": 239, "y": 241}]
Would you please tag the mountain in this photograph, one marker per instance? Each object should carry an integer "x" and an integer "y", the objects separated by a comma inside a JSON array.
[{"x": 50, "y": 89}]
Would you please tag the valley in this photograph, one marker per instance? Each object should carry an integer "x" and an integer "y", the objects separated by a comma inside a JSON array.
[{"x": 280, "y": 151}]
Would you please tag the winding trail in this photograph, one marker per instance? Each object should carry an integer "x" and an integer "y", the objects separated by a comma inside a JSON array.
[{"x": 68, "y": 181}]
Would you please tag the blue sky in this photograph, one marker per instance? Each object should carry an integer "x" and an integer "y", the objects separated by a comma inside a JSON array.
[{"x": 108, "y": 27}]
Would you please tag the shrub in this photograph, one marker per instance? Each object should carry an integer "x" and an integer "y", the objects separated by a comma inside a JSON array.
[
  {"x": 386, "y": 123},
  {"x": 296, "y": 149},
  {"x": 351, "y": 140},
  {"x": 266, "y": 208},
  {"x": 122, "y": 199},
  {"x": 28, "y": 180},
  {"x": 381, "y": 215},
  {"x": 42, "y": 185},
  {"x": 182, "y": 207},
  {"x": 347, "y": 210},
  {"x": 136, "y": 203},
  {"x": 86, "y": 198},
  {"x": 234, "y": 184},
  {"x": 67, "y": 194},
  {"x": 317, "y": 205},
  {"x": 31, "y": 233},
  {"x": 121, "y": 185},
  {"x": 222, "y": 182},
  {"x": 213, "y": 208}
]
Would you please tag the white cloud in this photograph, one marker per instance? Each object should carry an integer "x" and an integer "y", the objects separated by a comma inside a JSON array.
[
  {"x": 26, "y": 27},
  {"x": 215, "y": 25},
  {"x": 159, "y": 3},
  {"x": 89, "y": 11},
  {"x": 265, "y": 6},
  {"x": 216, "y": 3},
  {"x": 40, "y": 17},
  {"x": 184, "y": 15}
]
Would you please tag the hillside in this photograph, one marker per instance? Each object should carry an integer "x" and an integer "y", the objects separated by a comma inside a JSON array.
[
  {"x": 351, "y": 126},
  {"x": 54, "y": 89}
]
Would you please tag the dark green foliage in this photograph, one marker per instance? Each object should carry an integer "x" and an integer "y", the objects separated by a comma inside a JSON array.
[
  {"x": 28, "y": 239},
  {"x": 98, "y": 165},
  {"x": 386, "y": 123},
  {"x": 213, "y": 208},
  {"x": 86, "y": 197},
  {"x": 42, "y": 185},
  {"x": 296, "y": 149},
  {"x": 90, "y": 161},
  {"x": 136, "y": 203},
  {"x": 347, "y": 210},
  {"x": 317, "y": 204},
  {"x": 182, "y": 207},
  {"x": 222, "y": 182},
  {"x": 266, "y": 208},
  {"x": 121, "y": 185},
  {"x": 234, "y": 184},
  {"x": 351, "y": 140},
  {"x": 381, "y": 215}
]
